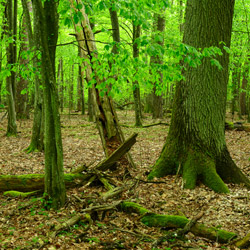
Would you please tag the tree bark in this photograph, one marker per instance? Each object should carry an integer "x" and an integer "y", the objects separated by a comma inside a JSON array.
[
  {"x": 136, "y": 87},
  {"x": 22, "y": 106},
  {"x": 195, "y": 145},
  {"x": 115, "y": 28},
  {"x": 105, "y": 114},
  {"x": 159, "y": 28},
  {"x": 46, "y": 39},
  {"x": 37, "y": 137},
  {"x": 10, "y": 81}
]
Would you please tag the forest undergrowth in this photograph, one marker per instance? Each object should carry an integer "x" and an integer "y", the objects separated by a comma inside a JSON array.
[{"x": 26, "y": 227}]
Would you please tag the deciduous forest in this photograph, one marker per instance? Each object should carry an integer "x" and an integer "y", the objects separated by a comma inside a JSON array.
[{"x": 124, "y": 124}]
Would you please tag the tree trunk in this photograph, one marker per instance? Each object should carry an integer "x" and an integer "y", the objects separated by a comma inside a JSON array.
[
  {"x": 10, "y": 81},
  {"x": 71, "y": 89},
  {"x": 136, "y": 87},
  {"x": 46, "y": 38},
  {"x": 236, "y": 75},
  {"x": 38, "y": 124},
  {"x": 115, "y": 28},
  {"x": 80, "y": 88},
  {"x": 61, "y": 85},
  {"x": 22, "y": 107},
  {"x": 105, "y": 114},
  {"x": 195, "y": 145},
  {"x": 157, "y": 106}
]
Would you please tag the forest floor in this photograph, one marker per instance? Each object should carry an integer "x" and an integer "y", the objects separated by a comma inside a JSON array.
[{"x": 22, "y": 229}]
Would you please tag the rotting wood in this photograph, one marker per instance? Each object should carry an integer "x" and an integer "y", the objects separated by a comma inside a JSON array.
[
  {"x": 243, "y": 243},
  {"x": 239, "y": 126},
  {"x": 174, "y": 221},
  {"x": 34, "y": 182}
]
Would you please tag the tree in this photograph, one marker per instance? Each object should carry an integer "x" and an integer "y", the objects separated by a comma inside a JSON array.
[
  {"x": 22, "y": 107},
  {"x": 195, "y": 145},
  {"x": 11, "y": 59},
  {"x": 38, "y": 124},
  {"x": 136, "y": 87},
  {"x": 46, "y": 39},
  {"x": 159, "y": 25}
]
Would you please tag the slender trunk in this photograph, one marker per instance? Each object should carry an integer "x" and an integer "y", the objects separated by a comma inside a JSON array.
[
  {"x": 37, "y": 142},
  {"x": 10, "y": 81},
  {"x": 70, "y": 90},
  {"x": 61, "y": 86},
  {"x": 46, "y": 39},
  {"x": 136, "y": 87},
  {"x": 80, "y": 88},
  {"x": 115, "y": 29},
  {"x": 22, "y": 107},
  {"x": 157, "y": 106}
]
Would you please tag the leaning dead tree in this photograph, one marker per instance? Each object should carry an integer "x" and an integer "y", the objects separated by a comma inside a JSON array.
[{"x": 105, "y": 114}]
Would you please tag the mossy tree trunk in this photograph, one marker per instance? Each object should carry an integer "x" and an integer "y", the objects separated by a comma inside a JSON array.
[
  {"x": 196, "y": 140},
  {"x": 10, "y": 81},
  {"x": 46, "y": 39},
  {"x": 38, "y": 128}
]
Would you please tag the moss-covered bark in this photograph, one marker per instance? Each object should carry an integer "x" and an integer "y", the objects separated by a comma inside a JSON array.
[
  {"x": 196, "y": 145},
  {"x": 34, "y": 182},
  {"x": 46, "y": 23},
  {"x": 174, "y": 221}
]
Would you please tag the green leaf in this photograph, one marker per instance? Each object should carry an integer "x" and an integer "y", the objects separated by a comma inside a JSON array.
[{"x": 216, "y": 63}]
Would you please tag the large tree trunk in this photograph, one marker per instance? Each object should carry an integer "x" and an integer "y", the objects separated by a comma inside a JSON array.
[
  {"x": 46, "y": 38},
  {"x": 196, "y": 143}
]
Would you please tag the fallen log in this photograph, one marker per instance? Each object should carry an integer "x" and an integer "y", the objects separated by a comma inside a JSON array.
[
  {"x": 34, "y": 182},
  {"x": 240, "y": 126},
  {"x": 174, "y": 221}
]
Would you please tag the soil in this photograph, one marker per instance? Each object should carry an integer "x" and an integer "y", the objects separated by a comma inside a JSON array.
[{"x": 27, "y": 227}]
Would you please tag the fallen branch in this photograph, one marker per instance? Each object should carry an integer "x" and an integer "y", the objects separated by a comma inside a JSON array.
[
  {"x": 174, "y": 221},
  {"x": 240, "y": 126},
  {"x": 146, "y": 126},
  {"x": 34, "y": 182}
]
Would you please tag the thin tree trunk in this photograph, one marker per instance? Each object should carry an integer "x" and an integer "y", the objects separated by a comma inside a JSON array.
[
  {"x": 115, "y": 29},
  {"x": 136, "y": 87},
  {"x": 10, "y": 81},
  {"x": 159, "y": 27},
  {"x": 38, "y": 124},
  {"x": 80, "y": 88},
  {"x": 46, "y": 39},
  {"x": 22, "y": 107}
]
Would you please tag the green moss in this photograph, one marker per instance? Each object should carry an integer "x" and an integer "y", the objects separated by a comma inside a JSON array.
[
  {"x": 132, "y": 207},
  {"x": 213, "y": 180},
  {"x": 213, "y": 233},
  {"x": 20, "y": 194},
  {"x": 190, "y": 172},
  {"x": 156, "y": 220}
]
